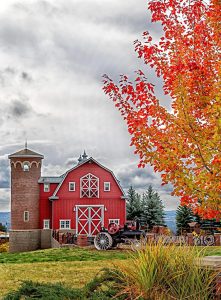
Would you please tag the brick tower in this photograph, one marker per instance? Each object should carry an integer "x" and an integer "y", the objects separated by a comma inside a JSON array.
[{"x": 25, "y": 173}]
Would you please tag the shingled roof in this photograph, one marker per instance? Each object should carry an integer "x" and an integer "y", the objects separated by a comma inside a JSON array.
[{"x": 25, "y": 153}]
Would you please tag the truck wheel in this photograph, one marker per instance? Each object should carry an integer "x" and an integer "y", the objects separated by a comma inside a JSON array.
[
  {"x": 209, "y": 240},
  {"x": 103, "y": 241}
]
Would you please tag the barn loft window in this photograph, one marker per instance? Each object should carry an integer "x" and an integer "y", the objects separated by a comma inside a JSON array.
[
  {"x": 107, "y": 186},
  {"x": 89, "y": 186},
  {"x": 46, "y": 187}
]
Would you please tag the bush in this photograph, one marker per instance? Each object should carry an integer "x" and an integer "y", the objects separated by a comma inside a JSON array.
[
  {"x": 4, "y": 247},
  {"x": 167, "y": 272},
  {"x": 32, "y": 290},
  {"x": 106, "y": 285},
  {"x": 103, "y": 287}
]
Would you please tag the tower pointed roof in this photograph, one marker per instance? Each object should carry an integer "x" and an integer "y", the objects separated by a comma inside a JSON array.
[{"x": 26, "y": 153}]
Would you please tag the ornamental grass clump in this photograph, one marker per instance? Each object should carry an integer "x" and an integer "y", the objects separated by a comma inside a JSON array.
[
  {"x": 4, "y": 247},
  {"x": 158, "y": 272}
]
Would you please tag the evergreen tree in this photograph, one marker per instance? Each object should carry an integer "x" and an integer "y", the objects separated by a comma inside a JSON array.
[
  {"x": 133, "y": 204},
  {"x": 198, "y": 219},
  {"x": 152, "y": 209},
  {"x": 143, "y": 204},
  {"x": 184, "y": 215},
  {"x": 3, "y": 227}
]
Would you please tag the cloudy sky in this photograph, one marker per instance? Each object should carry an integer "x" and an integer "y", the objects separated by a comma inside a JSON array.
[{"x": 53, "y": 54}]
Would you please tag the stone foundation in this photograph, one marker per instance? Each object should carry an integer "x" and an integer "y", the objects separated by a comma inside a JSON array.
[
  {"x": 46, "y": 238},
  {"x": 55, "y": 243},
  {"x": 29, "y": 240}
]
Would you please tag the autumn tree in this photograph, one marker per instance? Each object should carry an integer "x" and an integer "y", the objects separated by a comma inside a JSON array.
[{"x": 183, "y": 143}]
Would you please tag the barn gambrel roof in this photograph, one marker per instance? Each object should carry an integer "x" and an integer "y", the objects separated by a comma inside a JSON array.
[{"x": 63, "y": 177}]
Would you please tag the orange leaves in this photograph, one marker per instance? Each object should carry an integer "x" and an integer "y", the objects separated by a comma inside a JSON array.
[
  {"x": 207, "y": 213},
  {"x": 185, "y": 144}
]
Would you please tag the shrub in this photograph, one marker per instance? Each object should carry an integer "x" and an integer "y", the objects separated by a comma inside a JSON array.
[
  {"x": 166, "y": 272},
  {"x": 4, "y": 247},
  {"x": 104, "y": 286},
  {"x": 32, "y": 290}
]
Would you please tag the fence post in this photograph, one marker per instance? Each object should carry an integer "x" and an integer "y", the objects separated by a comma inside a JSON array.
[
  {"x": 60, "y": 236},
  {"x": 190, "y": 239},
  {"x": 217, "y": 237},
  {"x": 82, "y": 240},
  {"x": 214, "y": 262},
  {"x": 150, "y": 237}
]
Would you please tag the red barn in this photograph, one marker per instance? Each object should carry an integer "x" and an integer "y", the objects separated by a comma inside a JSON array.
[
  {"x": 82, "y": 200},
  {"x": 85, "y": 198}
]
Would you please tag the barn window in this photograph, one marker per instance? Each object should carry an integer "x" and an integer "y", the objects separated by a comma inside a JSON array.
[
  {"x": 71, "y": 186},
  {"x": 107, "y": 186},
  {"x": 46, "y": 187},
  {"x": 65, "y": 224},
  {"x": 46, "y": 224},
  {"x": 26, "y": 216},
  {"x": 89, "y": 186},
  {"x": 116, "y": 221}
]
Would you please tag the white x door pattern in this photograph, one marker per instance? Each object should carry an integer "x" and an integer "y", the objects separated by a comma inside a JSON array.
[{"x": 89, "y": 219}]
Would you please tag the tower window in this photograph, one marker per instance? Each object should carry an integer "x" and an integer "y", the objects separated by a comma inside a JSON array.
[
  {"x": 26, "y": 166},
  {"x": 26, "y": 216},
  {"x": 46, "y": 187},
  {"x": 71, "y": 186},
  {"x": 107, "y": 186}
]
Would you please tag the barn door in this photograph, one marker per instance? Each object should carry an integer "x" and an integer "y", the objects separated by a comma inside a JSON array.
[{"x": 89, "y": 219}]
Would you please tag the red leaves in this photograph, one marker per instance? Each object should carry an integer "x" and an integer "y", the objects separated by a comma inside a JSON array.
[
  {"x": 207, "y": 213},
  {"x": 150, "y": 87},
  {"x": 216, "y": 160}
]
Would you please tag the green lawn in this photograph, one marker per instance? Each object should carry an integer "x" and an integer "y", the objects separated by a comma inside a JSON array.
[
  {"x": 213, "y": 251},
  {"x": 62, "y": 254},
  {"x": 74, "y": 254},
  {"x": 72, "y": 267}
]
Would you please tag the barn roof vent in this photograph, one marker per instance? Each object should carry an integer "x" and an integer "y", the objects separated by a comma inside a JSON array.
[
  {"x": 84, "y": 156},
  {"x": 80, "y": 159}
]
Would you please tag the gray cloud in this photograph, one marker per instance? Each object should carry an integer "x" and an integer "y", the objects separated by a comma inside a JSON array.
[
  {"x": 4, "y": 199},
  {"x": 4, "y": 172},
  {"x": 9, "y": 75},
  {"x": 52, "y": 56},
  {"x": 19, "y": 108},
  {"x": 25, "y": 76},
  {"x": 140, "y": 179},
  {"x": 72, "y": 161}
]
